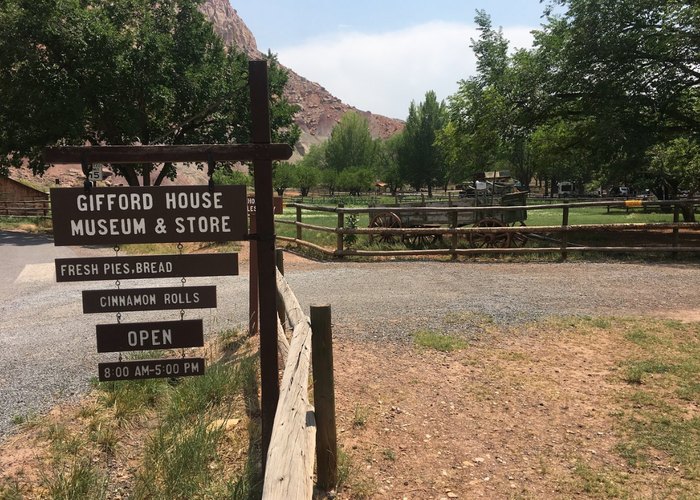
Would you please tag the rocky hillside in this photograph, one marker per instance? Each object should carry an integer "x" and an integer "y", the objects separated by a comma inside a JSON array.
[{"x": 320, "y": 110}]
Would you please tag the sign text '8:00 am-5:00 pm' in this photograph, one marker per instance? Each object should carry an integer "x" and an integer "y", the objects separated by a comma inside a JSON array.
[{"x": 162, "y": 214}]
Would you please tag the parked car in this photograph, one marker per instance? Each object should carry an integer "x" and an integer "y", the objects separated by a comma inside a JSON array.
[{"x": 620, "y": 191}]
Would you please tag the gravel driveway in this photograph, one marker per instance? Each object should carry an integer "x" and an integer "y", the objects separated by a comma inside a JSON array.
[{"x": 47, "y": 345}]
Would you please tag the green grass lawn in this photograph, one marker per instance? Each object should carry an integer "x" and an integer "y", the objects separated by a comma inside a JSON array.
[{"x": 595, "y": 215}]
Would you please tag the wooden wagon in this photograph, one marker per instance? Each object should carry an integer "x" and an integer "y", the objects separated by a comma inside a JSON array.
[{"x": 389, "y": 217}]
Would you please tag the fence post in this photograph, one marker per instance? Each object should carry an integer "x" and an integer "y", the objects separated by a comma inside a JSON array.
[
  {"x": 324, "y": 397},
  {"x": 298, "y": 222},
  {"x": 564, "y": 223},
  {"x": 340, "y": 236},
  {"x": 455, "y": 237},
  {"x": 676, "y": 235},
  {"x": 281, "y": 310}
]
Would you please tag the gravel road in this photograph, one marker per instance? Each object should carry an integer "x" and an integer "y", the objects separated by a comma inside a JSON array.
[{"x": 47, "y": 345}]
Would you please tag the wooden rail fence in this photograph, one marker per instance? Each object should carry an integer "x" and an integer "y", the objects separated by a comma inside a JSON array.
[
  {"x": 30, "y": 208},
  {"x": 562, "y": 245},
  {"x": 301, "y": 431}
]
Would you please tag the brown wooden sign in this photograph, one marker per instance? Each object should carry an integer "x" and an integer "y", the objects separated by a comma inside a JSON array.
[
  {"x": 150, "y": 368},
  {"x": 146, "y": 266},
  {"x": 152, "y": 335},
  {"x": 156, "y": 214},
  {"x": 277, "y": 205},
  {"x": 149, "y": 299}
]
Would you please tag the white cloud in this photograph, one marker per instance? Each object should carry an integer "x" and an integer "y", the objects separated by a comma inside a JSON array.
[{"x": 382, "y": 73}]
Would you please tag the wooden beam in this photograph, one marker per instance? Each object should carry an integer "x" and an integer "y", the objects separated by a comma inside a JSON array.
[
  {"x": 265, "y": 223},
  {"x": 162, "y": 154},
  {"x": 290, "y": 458}
]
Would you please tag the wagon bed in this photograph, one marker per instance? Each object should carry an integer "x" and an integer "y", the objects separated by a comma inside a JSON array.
[{"x": 385, "y": 216}]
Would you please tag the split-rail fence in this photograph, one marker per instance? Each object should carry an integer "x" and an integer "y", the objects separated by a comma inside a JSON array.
[
  {"x": 550, "y": 239},
  {"x": 302, "y": 431}
]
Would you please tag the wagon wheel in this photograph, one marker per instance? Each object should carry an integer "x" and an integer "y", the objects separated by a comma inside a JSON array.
[
  {"x": 387, "y": 220},
  {"x": 518, "y": 239},
  {"x": 420, "y": 240},
  {"x": 497, "y": 240}
]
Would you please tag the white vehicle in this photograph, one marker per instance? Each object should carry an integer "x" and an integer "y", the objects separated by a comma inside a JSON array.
[{"x": 565, "y": 189}]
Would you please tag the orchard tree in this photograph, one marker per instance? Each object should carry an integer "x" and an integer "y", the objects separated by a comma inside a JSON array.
[
  {"x": 355, "y": 180},
  {"x": 283, "y": 177},
  {"x": 122, "y": 72},
  {"x": 311, "y": 167},
  {"x": 307, "y": 177}
]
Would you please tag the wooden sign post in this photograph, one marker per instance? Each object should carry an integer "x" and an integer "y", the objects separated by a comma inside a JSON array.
[
  {"x": 265, "y": 228},
  {"x": 174, "y": 214},
  {"x": 253, "y": 262}
]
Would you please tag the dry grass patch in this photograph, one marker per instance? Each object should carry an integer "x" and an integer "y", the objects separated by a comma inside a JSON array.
[{"x": 159, "y": 438}]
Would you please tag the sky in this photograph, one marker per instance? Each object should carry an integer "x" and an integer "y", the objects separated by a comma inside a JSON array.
[{"x": 380, "y": 55}]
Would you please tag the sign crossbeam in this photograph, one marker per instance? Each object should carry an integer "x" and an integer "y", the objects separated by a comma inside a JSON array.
[{"x": 162, "y": 154}]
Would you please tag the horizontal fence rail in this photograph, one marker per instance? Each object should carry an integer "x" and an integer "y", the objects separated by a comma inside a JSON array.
[
  {"x": 451, "y": 232},
  {"x": 28, "y": 208}
]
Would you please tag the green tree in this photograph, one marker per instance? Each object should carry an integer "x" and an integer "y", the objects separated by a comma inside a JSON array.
[
  {"x": 307, "y": 178},
  {"x": 122, "y": 72},
  {"x": 226, "y": 176},
  {"x": 625, "y": 71},
  {"x": 311, "y": 168},
  {"x": 388, "y": 169},
  {"x": 284, "y": 176},
  {"x": 420, "y": 159},
  {"x": 493, "y": 113},
  {"x": 677, "y": 164},
  {"x": 355, "y": 180},
  {"x": 350, "y": 144}
]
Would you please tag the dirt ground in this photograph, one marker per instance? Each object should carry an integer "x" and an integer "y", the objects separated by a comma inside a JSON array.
[
  {"x": 523, "y": 412},
  {"x": 517, "y": 415}
]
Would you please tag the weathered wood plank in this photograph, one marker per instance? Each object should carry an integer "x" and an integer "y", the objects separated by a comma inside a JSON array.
[
  {"x": 295, "y": 313},
  {"x": 290, "y": 457},
  {"x": 282, "y": 343}
]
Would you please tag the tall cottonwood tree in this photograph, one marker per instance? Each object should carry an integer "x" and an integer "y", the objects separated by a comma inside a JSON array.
[
  {"x": 420, "y": 158},
  {"x": 629, "y": 71},
  {"x": 494, "y": 112},
  {"x": 122, "y": 72}
]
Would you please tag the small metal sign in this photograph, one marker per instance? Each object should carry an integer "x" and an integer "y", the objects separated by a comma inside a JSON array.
[
  {"x": 154, "y": 214},
  {"x": 146, "y": 266},
  {"x": 152, "y": 335},
  {"x": 95, "y": 173},
  {"x": 150, "y": 368},
  {"x": 149, "y": 299}
]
